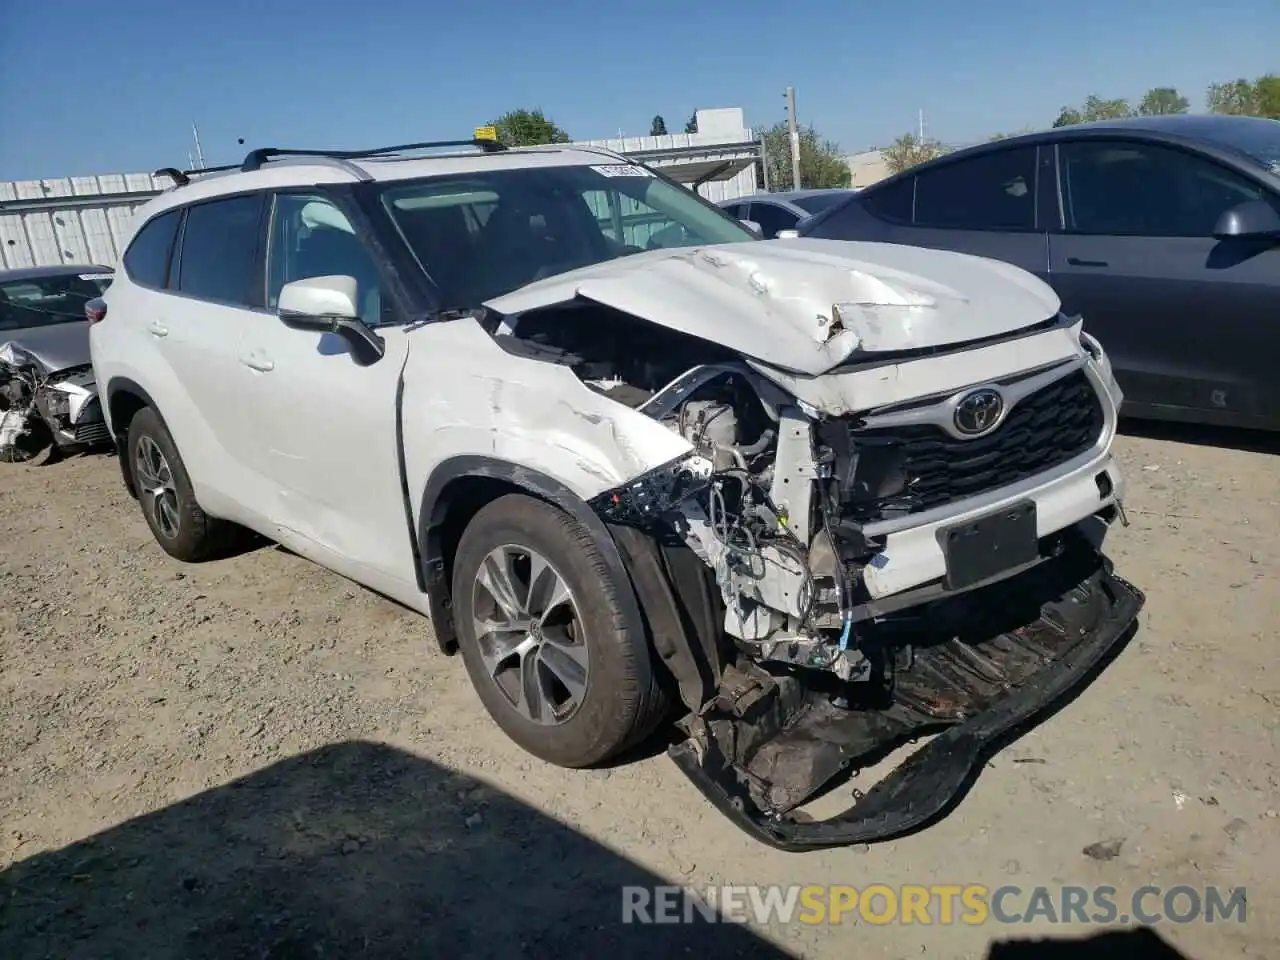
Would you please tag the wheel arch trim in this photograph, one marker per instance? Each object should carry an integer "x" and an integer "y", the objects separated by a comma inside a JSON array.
[{"x": 434, "y": 509}]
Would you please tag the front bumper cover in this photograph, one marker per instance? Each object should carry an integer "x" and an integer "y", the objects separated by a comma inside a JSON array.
[{"x": 759, "y": 754}]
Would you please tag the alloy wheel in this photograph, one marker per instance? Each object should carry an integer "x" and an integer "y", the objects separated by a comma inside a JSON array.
[
  {"x": 529, "y": 632},
  {"x": 156, "y": 488}
]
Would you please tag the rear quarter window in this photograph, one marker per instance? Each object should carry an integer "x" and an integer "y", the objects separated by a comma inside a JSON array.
[{"x": 147, "y": 259}]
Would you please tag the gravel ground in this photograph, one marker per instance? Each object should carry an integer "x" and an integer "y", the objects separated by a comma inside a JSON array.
[{"x": 257, "y": 758}]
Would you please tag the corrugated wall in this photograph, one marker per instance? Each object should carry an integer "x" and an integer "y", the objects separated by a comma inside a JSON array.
[{"x": 72, "y": 220}]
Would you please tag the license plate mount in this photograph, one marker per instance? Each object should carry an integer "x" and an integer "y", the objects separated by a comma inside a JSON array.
[{"x": 987, "y": 546}]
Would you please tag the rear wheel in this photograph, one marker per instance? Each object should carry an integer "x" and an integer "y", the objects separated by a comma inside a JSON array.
[
  {"x": 544, "y": 637},
  {"x": 164, "y": 491}
]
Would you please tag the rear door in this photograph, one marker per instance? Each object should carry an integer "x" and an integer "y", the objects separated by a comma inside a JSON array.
[
  {"x": 212, "y": 301},
  {"x": 1192, "y": 323}
]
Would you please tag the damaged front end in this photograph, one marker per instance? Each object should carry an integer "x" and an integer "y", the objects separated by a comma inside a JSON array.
[
  {"x": 42, "y": 408},
  {"x": 906, "y": 545}
]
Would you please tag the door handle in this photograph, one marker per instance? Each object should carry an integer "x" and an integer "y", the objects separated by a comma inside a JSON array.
[
  {"x": 255, "y": 362},
  {"x": 158, "y": 329},
  {"x": 1077, "y": 262}
]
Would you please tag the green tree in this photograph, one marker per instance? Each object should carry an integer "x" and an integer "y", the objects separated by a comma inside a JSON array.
[
  {"x": 692, "y": 125},
  {"x": 1005, "y": 136},
  {"x": 1246, "y": 98},
  {"x": 1163, "y": 100},
  {"x": 821, "y": 163},
  {"x": 658, "y": 128},
  {"x": 909, "y": 150},
  {"x": 527, "y": 128},
  {"x": 1068, "y": 117},
  {"x": 1094, "y": 108}
]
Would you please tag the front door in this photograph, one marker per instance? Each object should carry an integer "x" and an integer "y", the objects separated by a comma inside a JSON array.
[
  {"x": 1192, "y": 323},
  {"x": 324, "y": 428},
  {"x": 771, "y": 218}
]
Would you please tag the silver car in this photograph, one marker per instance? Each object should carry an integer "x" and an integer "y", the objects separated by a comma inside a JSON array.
[
  {"x": 774, "y": 212},
  {"x": 48, "y": 395}
]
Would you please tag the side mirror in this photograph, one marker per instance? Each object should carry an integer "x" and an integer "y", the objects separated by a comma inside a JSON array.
[
  {"x": 1253, "y": 218},
  {"x": 328, "y": 305},
  {"x": 753, "y": 227}
]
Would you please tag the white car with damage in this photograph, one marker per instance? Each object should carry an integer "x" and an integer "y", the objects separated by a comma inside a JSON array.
[{"x": 806, "y": 499}]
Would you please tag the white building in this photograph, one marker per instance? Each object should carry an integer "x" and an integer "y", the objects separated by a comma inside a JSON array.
[{"x": 866, "y": 168}]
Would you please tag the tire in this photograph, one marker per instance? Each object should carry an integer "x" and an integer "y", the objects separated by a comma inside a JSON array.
[
  {"x": 621, "y": 702},
  {"x": 182, "y": 529}
]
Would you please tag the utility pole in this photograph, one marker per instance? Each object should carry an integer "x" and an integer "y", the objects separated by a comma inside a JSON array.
[
  {"x": 793, "y": 130},
  {"x": 199, "y": 153}
]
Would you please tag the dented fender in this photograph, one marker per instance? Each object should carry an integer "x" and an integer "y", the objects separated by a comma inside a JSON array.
[
  {"x": 477, "y": 399},
  {"x": 535, "y": 426}
]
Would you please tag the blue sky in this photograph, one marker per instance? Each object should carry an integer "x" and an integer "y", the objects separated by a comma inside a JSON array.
[{"x": 101, "y": 88}]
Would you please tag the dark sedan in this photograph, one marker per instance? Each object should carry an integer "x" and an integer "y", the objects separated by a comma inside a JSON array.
[{"x": 1162, "y": 232}]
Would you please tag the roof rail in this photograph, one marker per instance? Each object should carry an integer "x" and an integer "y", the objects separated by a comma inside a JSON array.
[
  {"x": 256, "y": 158},
  {"x": 182, "y": 177}
]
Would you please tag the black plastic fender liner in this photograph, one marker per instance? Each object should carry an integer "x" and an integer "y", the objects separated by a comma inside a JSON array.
[
  {"x": 677, "y": 609},
  {"x": 935, "y": 777}
]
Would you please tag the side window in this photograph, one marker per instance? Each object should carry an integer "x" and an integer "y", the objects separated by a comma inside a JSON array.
[
  {"x": 219, "y": 253},
  {"x": 893, "y": 203},
  {"x": 310, "y": 237},
  {"x": 996, "y": 191},
  {"x": 772, "y": 218},
  {"x": 1146, "y": 190},
  {"x": 737, "y": 210},
  {"x": 147, "y": 259}
]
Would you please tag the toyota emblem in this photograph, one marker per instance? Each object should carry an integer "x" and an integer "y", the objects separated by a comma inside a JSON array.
[{"x": 978, "y": 411}]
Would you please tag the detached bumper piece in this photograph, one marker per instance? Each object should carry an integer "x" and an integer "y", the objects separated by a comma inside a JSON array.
[{"x": 983, "y": 666}]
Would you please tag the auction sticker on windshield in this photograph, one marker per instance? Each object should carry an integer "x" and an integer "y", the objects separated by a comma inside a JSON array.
[{"x": 622, "y": 170}]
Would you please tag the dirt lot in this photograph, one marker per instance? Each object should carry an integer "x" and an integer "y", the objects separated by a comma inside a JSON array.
[{"x": 257, "y": 758}]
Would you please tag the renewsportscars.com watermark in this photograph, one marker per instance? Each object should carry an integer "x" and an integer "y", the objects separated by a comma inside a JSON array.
[{"x": 940, "y": 904}]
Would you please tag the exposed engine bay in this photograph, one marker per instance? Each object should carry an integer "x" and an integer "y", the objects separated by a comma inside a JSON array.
[
  {"x": 776, "y": 500},
  {"x": 816, "y": 664},
  {"x": 744, "y": 503}
]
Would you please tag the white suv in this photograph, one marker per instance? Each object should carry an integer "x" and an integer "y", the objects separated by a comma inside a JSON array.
[{"x": 815, "y": 498}]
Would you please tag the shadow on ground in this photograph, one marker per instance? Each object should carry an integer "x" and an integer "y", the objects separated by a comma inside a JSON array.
[
  {"x": 1141, "y": 944},
  {"x": 1232, "y": 438},
  {"x": 354, "y": 850}
]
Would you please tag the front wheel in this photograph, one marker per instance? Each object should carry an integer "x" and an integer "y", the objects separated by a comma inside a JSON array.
[{"x": 544, "y": 637}]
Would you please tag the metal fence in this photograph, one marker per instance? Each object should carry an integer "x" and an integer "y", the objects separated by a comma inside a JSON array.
[{"x": 71, "y": 220}]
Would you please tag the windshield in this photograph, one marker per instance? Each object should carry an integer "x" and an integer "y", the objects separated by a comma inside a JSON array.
[
  {"x": 481, "y": 235},
  {"x": 42, "y": 301},
  {"x": 821, "y": 201}
]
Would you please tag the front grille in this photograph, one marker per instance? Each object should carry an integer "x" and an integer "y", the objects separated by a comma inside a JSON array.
[
  {"x": 93, "y": 434},
  {"x": 905, "y": 470}
]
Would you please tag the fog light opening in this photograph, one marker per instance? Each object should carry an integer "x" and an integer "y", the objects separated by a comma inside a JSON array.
[{"x": 1105, "y": 486}]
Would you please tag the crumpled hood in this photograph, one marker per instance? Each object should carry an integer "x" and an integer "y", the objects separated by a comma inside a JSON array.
[
  {"x": 57, "y": 346},
  {"x": 808, "y": 305}
]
